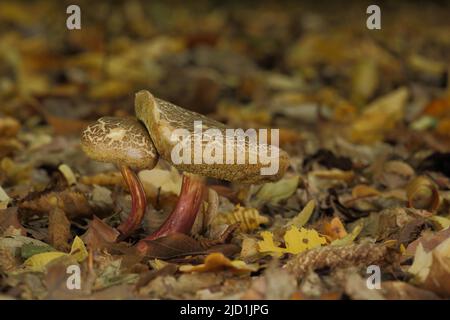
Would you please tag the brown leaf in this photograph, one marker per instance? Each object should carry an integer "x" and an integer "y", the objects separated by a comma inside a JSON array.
[
  {"x": 172, "y": 246},
  {"x": 74, "y": 203},
  {"x": 9, "y": 218},
  {"x": 399, "y": 290},
  {"x": 59, "y": 229},
  {"x": 428, "y": 240},
  {"x": 99, "y": 234}
]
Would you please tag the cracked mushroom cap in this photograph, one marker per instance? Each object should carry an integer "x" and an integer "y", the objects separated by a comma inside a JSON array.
[
  {"x": 123, "y": 141},
  {"x": 162, "y": 120}
]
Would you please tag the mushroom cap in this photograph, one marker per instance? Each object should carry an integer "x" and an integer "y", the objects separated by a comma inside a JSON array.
[
  {"x": 123, "y": 141},
  {"x": 162, "y": 118}
]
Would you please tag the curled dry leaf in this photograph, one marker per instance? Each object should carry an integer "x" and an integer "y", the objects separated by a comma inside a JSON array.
[
  {"x": 216, "y": 262},
  {"x": 334, "y": 229},
  {"x": 274, "y": 192},
  {"x": 363, "y": 254},
  {"x": 422, "y": 193},
  {"x": 249, "y": 219}
]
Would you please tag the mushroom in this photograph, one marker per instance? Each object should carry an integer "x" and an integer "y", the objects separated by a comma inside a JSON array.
[
  {"x": 127, "y": 143},
  {"x": 163, "y": 119}
]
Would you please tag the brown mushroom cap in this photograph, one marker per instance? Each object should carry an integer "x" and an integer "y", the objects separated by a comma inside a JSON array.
[
  {"x": 123, "y": 141},
  {"x": 161, "y": 119}
]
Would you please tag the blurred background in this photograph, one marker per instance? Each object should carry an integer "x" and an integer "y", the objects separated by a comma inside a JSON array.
[{"x": 312, "y": 69}]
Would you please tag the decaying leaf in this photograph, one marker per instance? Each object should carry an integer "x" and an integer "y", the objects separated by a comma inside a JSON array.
[
  {"x": 58, "y": 229},
  {"x": 39, "y": 261},
  {"x": 334, "y": 229},
  {"x": 274, "y": 192},
  {"x": 422, "y": 194},
  {"x": 99, "y": 234},
  {"x": 379, "y": 117},
  {"x": 432, "y": 269},
  {"x": 249, "y": 219},
  {"x": 217, "y": 261},
  {"x": 302, "y": 218},
  {"x": 296, "y": 241}
]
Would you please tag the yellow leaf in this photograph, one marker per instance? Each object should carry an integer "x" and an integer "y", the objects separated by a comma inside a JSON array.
[
  {"x": 249, "y": 219},
  {"x": 78, "y": 250},
  {"x": 302, "y": 218},
  {"x": 300, "y": 240},
  {"x": 296, "y": 241},
  {"x": 39, "y": 261},
  {"x": 216, "y": 262},
  {"x": 268, "y": 245}
]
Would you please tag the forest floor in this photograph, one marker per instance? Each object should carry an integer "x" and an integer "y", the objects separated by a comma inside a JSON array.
[{"x": 363, "y": 114}]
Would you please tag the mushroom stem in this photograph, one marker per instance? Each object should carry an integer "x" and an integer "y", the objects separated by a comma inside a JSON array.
[
  {"x": 183, "y": 215},
  {"x": 138, "y": 202}
]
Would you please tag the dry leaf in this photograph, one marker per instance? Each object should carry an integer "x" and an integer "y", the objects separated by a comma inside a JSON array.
[
  {"x": 334, "y": 229},
  {"x": 99, "y": 234},
  {"x": 422, "y": 193},
  {"x": 302, "y": 218},
  {"x": 58, "y": 229},
  {"x": 38, "y": 262},
  {"x": 379, "y": 117},
  {"x": 249, "y": 219},
  {"x": 296, "y": 241},
  {"x": 274, "y": 192},
  {"x": 216, "y": 262}
]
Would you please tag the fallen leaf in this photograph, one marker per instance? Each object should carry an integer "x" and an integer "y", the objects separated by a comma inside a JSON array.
[
  {"x": 422, "y": 193},
  {"x": 274, "y": 192},
  {"x": 4, "y": 199},
  {"x": 334, "y": 229},
  {"x": 58, "y": 229},
  {"x": 216, "y": 262},
  {"x": 39, "y": 261},
  {"x": 99, "y": 234},
  {"x": 296, "y": 241},
  {"x": 171, "y": 246},
  {"x": 302, "y": 218},
  {"x": 249, "y": 219}
]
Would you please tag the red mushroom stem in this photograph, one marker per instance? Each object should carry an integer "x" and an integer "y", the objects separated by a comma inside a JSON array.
[
  {"x": 183, "y": 215},
  {"x": 138, "y": 202}
]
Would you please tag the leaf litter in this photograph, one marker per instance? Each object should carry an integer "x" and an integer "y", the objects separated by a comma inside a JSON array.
[{"x": 365, "y": 121}]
